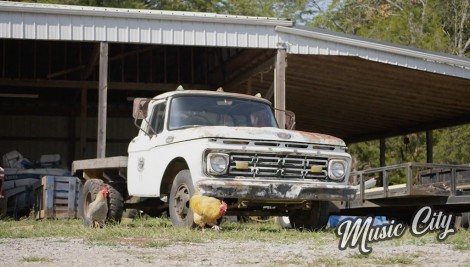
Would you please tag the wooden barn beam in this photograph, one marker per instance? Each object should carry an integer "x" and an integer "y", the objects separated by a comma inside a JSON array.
[
  {"x": 63, "y": 84},
  {"x": 102, "y": 101},
  {"x": 280, "y": 87}
]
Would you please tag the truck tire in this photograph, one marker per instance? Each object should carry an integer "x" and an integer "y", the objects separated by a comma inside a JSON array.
[
  {"x": 115, "y": 204},
  {"x": 314, "y": 219},
  {"x": 181, "y": 191},
  {"x": 465, "y": 222},
  {"x": 88, "y": 195}
]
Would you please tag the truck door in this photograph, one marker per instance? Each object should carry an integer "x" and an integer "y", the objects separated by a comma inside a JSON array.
[{"x": 143, "y": 172}]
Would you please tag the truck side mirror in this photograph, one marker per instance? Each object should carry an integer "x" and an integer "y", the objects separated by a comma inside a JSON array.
[
  {"x": 139, "y": 110},
  {"x": 290, "y": 119}
]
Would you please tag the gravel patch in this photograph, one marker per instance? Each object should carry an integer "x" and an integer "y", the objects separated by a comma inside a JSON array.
[{"x": 77, "y": 252}]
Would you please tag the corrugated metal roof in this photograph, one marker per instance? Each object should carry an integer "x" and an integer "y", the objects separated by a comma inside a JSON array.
[
  {"x": 75, "y": 23},
  {"x": 337, "y": 84},
  {"x": 313, "y": 41},
  {"x": 139, "y": 14},
  {"x": 78, "y": 23}
]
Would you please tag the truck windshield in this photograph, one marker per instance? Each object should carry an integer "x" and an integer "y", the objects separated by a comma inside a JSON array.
[{"x": 193, "y": 111}]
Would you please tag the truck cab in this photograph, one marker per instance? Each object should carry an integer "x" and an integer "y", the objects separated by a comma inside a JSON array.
[{"x": 229, "y": 146}]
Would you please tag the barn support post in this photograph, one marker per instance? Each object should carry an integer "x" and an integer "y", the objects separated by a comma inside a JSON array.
[
  {"x": 429, "y": 145},
  {"x": 83, "y": 122},
  {"x": 382, "y": 152},
  {"x": 280, "y": 87},
  {"x": 102, "y": 101}
]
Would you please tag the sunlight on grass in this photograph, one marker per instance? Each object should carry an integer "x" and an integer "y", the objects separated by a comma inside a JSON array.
[
  {"x": 329, "y": 261},
  {"x": 460, "y": 241},
  {"x": 398, "y": 259},
  {"x": 158, "y": 232}
]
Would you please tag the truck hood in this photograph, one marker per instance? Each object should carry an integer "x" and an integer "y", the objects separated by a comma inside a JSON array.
[{"x": 251, "y": 133}]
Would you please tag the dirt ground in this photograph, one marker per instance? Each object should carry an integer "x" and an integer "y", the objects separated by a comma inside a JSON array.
[{"x": 77, "y": 252}]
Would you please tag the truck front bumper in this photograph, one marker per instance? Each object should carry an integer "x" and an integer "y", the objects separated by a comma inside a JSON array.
[{"x": 275, "y": 190}]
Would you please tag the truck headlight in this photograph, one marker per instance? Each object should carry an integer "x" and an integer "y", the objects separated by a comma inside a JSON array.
[
  {"x": 337, "y": 169},
  {"x": 217, "y": 163}
]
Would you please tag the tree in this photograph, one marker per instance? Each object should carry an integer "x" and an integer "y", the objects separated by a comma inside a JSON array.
[
  {"x": 452, "y": 145},
  {"x": 456, "y": 24},
  {"x": 428, "y": 24},
  {"x": 292, "y": 9},
  {"x": 215, "y": 6},
  {"x": 412, "y": 23},
  {"x": 139, "y": 4}
]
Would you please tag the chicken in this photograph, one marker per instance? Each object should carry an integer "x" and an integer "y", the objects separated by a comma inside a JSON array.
[
  {"x": 98, "y": 209},
  {"x": 207, "y": 210}
]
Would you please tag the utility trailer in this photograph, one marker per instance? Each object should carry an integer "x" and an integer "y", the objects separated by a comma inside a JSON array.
[{"x": 442, "y": 186}]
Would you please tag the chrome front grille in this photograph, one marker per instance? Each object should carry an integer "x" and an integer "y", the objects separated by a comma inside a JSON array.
[{"x": 278, "y": 166}]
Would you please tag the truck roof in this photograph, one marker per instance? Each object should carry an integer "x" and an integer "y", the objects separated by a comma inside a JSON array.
[{"x": 210, "y": 93}]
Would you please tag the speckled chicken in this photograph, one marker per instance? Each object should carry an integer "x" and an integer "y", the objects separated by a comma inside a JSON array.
[{"x": 98, "y": 209}]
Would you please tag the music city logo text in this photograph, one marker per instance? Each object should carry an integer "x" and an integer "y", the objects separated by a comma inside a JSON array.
[{"x": 359, "y": 232}]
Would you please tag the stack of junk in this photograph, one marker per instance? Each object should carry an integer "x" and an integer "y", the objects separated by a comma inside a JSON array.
[{"x": 18, "y": 178}]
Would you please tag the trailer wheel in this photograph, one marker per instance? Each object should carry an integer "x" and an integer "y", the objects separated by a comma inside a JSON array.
[
  {"x": 314, "y": 219},
  {"x": 181, "y": 191},
  {"x": 88, "y": 195}
]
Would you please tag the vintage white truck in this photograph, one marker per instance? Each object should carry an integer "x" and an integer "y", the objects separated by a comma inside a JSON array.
[{"x": 225, "y": 145}]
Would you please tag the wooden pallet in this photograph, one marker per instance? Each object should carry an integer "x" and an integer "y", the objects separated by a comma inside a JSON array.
[{"x": 57, "y": 197}]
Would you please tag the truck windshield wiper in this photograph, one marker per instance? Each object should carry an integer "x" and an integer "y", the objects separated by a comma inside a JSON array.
[{"x": 188, "y": 126}]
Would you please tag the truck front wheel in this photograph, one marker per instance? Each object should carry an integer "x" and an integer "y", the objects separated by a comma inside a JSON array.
[
  {"x": 181, "y": 191},
  {"x": 314, "y": 219}
]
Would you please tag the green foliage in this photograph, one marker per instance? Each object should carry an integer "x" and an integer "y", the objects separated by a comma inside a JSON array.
[
  {"x": 428, "y": 24},
  {"x": 187, "y": 5},
  {"x": 409, "y": 148},
  {"x": 292, "y": 9},
  {"x": 36, "y": 259},
  {"x": 138, "y": 4},
  {"x": 412, "y": 23},
  {"x": 452, "y": 145},
  {"x": 366, "y": 155}
]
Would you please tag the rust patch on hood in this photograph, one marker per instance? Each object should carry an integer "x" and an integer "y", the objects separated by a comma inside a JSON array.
[
  {"x": 314, "y": 137},
  {"x": 254, "y": 133}
]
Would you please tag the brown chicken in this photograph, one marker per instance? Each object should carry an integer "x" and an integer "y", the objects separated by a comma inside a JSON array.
[
  {"x": 98, "y": 209},
  {"x": 207, "y": 210}
]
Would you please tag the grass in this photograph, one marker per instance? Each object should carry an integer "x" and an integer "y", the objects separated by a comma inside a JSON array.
[
  {"x": 155, "y": 232},
  {"x": 35, "y": 259},
  {"x": 398, "y": 259},
  {"x": 460, "y": 241},
  {"x": 159, "y": 233}
]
